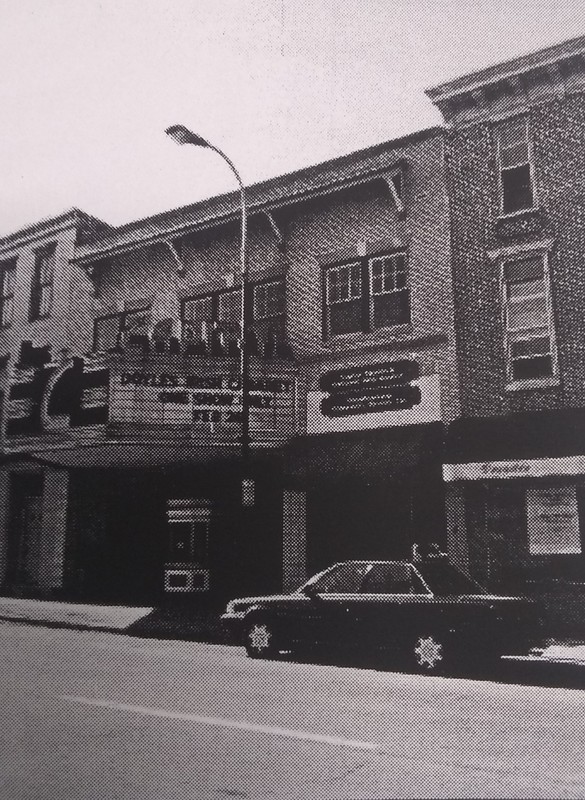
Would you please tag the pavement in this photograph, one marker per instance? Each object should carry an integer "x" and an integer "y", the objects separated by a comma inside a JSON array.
[
  {"x": 181, "y": 621},
  {"x": 90, "y": 715}
]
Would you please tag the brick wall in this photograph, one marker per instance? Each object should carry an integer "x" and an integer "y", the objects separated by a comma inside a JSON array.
[{"x": 558, "y": 135}]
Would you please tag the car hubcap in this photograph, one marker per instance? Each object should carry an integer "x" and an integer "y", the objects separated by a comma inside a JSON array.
[
  {"x": 428, "y": 652},
  {"x": 259, "y": 638}
]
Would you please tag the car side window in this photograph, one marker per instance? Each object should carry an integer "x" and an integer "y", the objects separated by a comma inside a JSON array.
[
  {"x": 345, "y": 578},
  {"x": 392, "y": 579}
]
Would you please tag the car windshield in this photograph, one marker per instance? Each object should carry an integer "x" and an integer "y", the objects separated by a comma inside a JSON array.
[
  {"x": 342, "y": 578},
  {"x": 443, "y": 578},
  {"x": 393, "y": 578}
]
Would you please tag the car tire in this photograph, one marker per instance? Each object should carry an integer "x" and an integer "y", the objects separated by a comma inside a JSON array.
[
  {"x": 430, "y": 653},
  {"x": 260, "y": 638}
]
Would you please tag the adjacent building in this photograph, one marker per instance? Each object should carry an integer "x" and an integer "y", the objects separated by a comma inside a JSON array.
[{"x": 515, "y": 461}]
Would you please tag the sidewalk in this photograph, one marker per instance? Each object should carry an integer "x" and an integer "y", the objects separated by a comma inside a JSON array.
[
  {"x": 184, "y": 622},
  {"x": 70, "y": 615},
  {"x": 173, "y": 622}
]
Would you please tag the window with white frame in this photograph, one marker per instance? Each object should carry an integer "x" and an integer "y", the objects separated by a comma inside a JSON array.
[
  {"x": 110, "y": 330},
  {"x": 515, "y": 166},
  {"x": 369, "y": 293},
  {"x": 212, "y": 323},
  {"x": 42, "y": 286},
  {"x": 7, "y": 280},
  {"x": 268, "y": 312},
  {"x": 529, "y": 326}
]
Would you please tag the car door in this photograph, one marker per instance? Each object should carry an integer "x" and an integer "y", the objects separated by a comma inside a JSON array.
[
  {"x": 393, "y": 602},
  {"x": 330, "y": 617}
]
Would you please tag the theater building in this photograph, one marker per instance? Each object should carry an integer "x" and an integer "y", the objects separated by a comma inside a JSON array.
[
  {"x": 515, "y": 461},
  {"x": 133, "y": 453}
]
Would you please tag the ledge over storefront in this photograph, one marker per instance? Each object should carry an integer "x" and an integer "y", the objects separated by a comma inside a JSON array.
[{"x": 381, "y": 454}]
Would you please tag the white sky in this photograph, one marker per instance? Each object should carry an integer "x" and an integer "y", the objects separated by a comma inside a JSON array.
[{"x": 87, "y": 88}]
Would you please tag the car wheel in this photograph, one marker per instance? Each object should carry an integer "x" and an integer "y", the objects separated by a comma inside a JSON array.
[
  {"x": 430, "y": 653},
  {"x": 260, "y": 640}
]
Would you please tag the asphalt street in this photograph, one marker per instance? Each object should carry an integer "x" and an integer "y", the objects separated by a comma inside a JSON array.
[{"x": 89, "y": 716}]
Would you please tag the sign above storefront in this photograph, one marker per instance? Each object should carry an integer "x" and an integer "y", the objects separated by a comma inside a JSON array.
[
  {"x": 371, "y": 400},
  {"x": 414, "y": 404},
  {"x": 374, "y": 376},
  {"x": 518, "y": 468}
]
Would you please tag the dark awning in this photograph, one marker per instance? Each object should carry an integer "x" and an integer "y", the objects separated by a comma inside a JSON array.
[
  {"x": 384, "y": 453},
  {"x": 541, "y": 434},
  {"x": 136, "y": 456}
]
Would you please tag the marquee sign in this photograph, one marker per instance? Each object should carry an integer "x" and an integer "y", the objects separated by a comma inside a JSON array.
[{"x": 208, "y": 404}]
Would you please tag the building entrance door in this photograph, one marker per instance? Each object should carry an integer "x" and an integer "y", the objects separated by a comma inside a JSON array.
[
  {"x": 25, "y": 531},
  {"x": 187, "y": 559}
]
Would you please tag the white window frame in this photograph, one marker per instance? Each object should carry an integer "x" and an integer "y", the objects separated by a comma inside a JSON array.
[
  {"x": 7, "y": 291},
  {"x": 257, "y": 288},
  {"x": 501, "y": 168},
  {"x": 537, "y": 382}
]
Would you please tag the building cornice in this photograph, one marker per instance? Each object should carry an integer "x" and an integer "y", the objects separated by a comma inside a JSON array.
[
  {"x": 514, "y": 86},
  {"x": 73, "y": 218}
]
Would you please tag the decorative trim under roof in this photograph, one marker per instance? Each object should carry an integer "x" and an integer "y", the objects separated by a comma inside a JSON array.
[
  {"x": 512, "y": 86},
  {"x": 356, "y": 168}
]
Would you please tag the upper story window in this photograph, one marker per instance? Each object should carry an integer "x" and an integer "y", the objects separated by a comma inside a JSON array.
[
  {"x": 7, "y": 281},
  {"x": 515, "y": 165},
  {"x": 212, "y": 323},
  {"x": 112, "y": 329},
  {"x": 41, "y": 303},
  {"x": 366, "y": 294},
  {"x": 529, "y": 325}
]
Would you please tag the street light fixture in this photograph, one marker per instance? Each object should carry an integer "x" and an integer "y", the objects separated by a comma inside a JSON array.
[{"x": 182, "y": 135}]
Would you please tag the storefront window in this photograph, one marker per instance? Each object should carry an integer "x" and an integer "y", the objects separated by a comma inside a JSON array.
[{"x": 553, "y": 521}]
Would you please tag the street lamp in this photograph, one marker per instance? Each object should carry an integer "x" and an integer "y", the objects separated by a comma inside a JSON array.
[{"x": 182, "y": 135}]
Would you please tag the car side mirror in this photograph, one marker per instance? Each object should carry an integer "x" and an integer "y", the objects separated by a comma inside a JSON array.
[{"x": 310, "y": 591}]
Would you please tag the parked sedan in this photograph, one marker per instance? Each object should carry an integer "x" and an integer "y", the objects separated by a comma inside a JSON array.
[{"x": 427, "y": 611}]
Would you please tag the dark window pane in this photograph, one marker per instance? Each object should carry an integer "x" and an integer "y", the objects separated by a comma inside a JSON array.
[
  {"x": 180, "y": 542},
  {"x": 516, "y": 189},
  {"x": 106, "y": 333},
  {"x": 537, "y": 367},
  {"x": 525, "y": 269},
  {"x": 527, "y": 347},
  {"x": 345, "y": 317},
  {"x": 7, "y": 311},
  {"x": 391, "y": 309}
]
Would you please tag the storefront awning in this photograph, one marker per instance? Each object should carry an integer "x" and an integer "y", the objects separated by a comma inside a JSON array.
[
  {"x": 535, "y": 444},
  {"x": 134, "y": 456},
  {"x": 381, "y": 454}
]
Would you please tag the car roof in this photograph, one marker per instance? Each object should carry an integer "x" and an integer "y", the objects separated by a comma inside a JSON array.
[{"x": 372, "y": 561}]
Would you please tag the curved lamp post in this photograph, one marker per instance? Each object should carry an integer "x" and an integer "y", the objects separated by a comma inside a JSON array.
[{"x": 182, "y": 135}]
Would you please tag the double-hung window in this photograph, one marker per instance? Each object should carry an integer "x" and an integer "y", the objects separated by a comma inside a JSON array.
[
  {"x": 268, "y": 313},
  {"x": 529, "y": 326},
  {"x": 42, "y": 285},
  {"x": 111, "y": 329},
  {"x": 7, "y": 280},
  {"x": 212, "y": 323},
  {"x": 515, "y": 166},
  {"x": 366, "y": 294}
]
